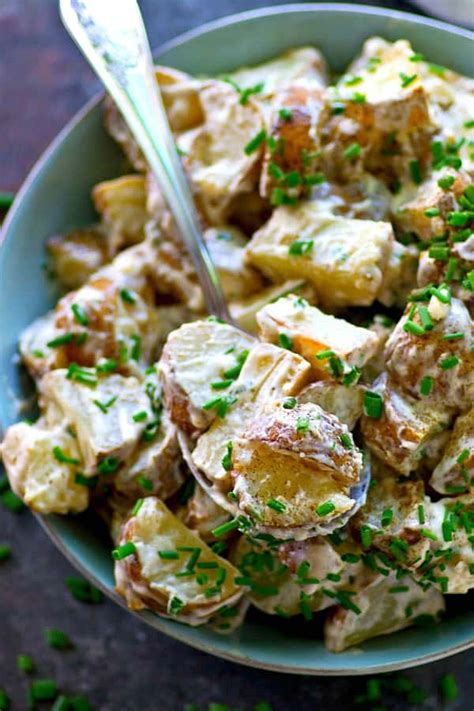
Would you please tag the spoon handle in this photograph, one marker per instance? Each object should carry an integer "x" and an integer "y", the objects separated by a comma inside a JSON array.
[{"x": 112, "y": 36}]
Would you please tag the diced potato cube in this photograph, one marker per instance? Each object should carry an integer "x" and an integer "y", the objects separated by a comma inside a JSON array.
[
  {"x": 316, "y": 336},
  {"x": 198, "y": 360},
  {"x": 41, "y": 465},
  {"x": 455, "y": 471},
  {"x": 122, "y": 205},
  {"x": 214, "y": 154},
  {"x": 269, "y": 373},
  {"x": 149, "y": 580},
  {"x": 105, "y": 431},
  {"x": 343, "y": 259},
  {"x": 412, "y": 356},
  {"x": 290, "y": 465},
  {"x": 379, "y": 609},
  {"x": 406, "y": 427}
]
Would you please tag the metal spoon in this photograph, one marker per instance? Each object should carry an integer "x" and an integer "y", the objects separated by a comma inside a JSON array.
[{"x": 112, "y": 37}]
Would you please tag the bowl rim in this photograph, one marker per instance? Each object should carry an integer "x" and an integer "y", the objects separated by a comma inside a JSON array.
[{"x": 178, "y": 632}]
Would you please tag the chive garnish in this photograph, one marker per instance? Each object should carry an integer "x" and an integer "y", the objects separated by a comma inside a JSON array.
[
  {"x": 124, "y": 550},
  {"x": 255, "y": 142},
  {"x": 80, "y": 315},
  {"x": 57, "y": 639},
  {"x": 127, "y": 296},
  {"x": 276, "y": 505},
  {"x": 62, "y": 458},
  {"x": 325, "y": 509},
  {"x": 352, "y": 151},
  {"x": 373, "y": 404}
]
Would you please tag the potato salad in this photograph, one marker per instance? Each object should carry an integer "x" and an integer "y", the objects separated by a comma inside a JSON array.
[{"x": 319, "y": 456}]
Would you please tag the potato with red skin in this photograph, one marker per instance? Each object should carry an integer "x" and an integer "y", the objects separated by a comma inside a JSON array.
[
  {"x": 411, "y": 357},
  {"x": 147, "y": 580},
  {"x": 294, "y": 145},
  {"x": 405, "y": 428},
  {"x": 301, "y": 458},
  {"x": 456, "y": 468}
]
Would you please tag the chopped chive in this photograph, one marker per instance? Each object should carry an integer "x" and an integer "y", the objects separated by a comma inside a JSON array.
[
  {"x": 277, "y": 506},
  {"x": 11, "y": 501},
  {"x": 82, "y": 480},
  {"x": 175, "y": 605},
  {"x": 463, "y": 456},
  {"x": 221, "y": 384},
  {"x": 346, "y": 440},
  {"x": 425, "y": 318},
  {"x": 350, "y": 558},
  {"x": 421, "y": 513},
  {"x": 82, "y": 590},
  {"x": 57, "y": 639},
  {"x": 285, "y": 114},
  {"x": 446, "y": 181},
  {"x": 59, "y": 455},
  {"x": 417, "y": 57},
  {"x": 458, "y": 335},
  {"x": 432, "y": 212},
  {"x": 322, "y": 355},
  {"x": 25, "y": 663},
  {"x": 325, "y": 509},
  {"x": 289, "y": 403},
  {"x": 300, "y": 247},
  {"x": 137, "y": 506},
  {"x": 415, "y": 171},
  {"x": 124, "y": 550},
  {"x": 136, "y": 347},
  {"x": 366, "y": 536},
  {"x": 449, "y": 362},
  {"x": 414, "y": 328},
  {"x": 128, "y": 296},
  {"x": 407, "y": 79},
  {"x": 225, "y": 528},
  {"x": 220, "y": 404},
  {"x": 399, "y": 589},
  {"x": 80, "y": 315},
  {"x": 145, "y": 483},
  {"x": 302, "y": 424},
  {"x": 227, "y": 458},
  {"x": 140, "y": 416},
  {"x": 62, "y": 703},
  {"x": 108, "y": 465},
  {"x": 352, "y": 80},
  {"x": 426, "y": 384},
  {"x": 386, "y": 518},
  {"x": 448, "y": 688},
  {"x": 43, "y": 690},
  {"x": 5, "y": 551},
  {"x": 439, "y": 252},
  {"x": 61, "y": 340},
  {"x": 426, "y": 533},
  {"x": 285, "y": 341},
  {"x": 104, "y": 406},
  {"x": 358, "y": 98},
  {"x": 352, "y": 151},
  {"x": 106, "y": 365},
  {"x": 373, "y": 404},
  {"x": 255, "y": 142}
]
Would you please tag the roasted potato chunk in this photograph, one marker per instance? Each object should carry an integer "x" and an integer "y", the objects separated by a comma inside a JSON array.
[
  {"x": 269, "y": 373},
  {"x": 455, "y": 471},
  {"x": 332, "y": 345},
  {"x": 378, "y": 609},
  {"x": 200, "y": 361},
  {"x": 217, "y": 156},
  {"x": 162, "y": 548},
  {"x": 392, "y": 518},
  {"x": 42, "y": 464},
  {"x": 414, "y": 352},
  {"x": 101, "y": 411},
  {"x": 75, "y": 256},
  {"x": 121, "y": 203},
  {"x": 343, "y": 259},
  {"x": 244, "y": 311},
  {"x": 293, "y": 468},
  {"x": 405, "y": 428}
]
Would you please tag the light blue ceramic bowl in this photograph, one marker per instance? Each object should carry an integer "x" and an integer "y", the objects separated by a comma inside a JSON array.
[{"x": 55, "y": 197}]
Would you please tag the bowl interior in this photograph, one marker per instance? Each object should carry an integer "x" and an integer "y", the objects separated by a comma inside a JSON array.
[{"x": 55, "y": 197}]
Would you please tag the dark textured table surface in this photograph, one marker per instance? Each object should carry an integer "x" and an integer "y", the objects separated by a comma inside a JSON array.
[{"x": 117, "y": 662}]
